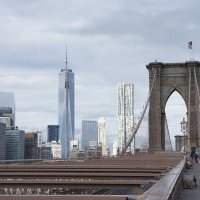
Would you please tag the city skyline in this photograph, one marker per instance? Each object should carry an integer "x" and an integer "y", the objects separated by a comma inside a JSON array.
[
  {"x": 118, "y": 50},
  {"x": 99, "y": 99}
]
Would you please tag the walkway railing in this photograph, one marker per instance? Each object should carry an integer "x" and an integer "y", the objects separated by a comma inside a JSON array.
[{"x": 168, "y": 186}]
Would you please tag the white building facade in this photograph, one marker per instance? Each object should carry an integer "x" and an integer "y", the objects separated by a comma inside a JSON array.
[
  {"x": 56, "y": 150},
  {"x": 74, "y": 145},
  {"x": 102, "y": 135},
  {"x": 125, "y": 113},
  {"x": 114, "y": 148}
]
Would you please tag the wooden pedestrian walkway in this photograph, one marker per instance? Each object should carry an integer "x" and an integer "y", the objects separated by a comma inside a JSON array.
[{"x": 194, "y": 193}]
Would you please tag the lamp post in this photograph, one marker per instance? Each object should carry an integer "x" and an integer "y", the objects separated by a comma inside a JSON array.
[{"x": 184, "y": 130}]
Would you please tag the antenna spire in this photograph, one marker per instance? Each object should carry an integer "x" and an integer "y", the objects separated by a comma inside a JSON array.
[{"x": 66, "y": 61}]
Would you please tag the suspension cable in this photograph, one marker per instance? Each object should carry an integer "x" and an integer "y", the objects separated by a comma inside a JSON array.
[
  {"x": 168, "y": 134},
  {"x": 187, "y": 142},
  {"x": 198, "y": 94},
  {"x": 196, "y": 83}
]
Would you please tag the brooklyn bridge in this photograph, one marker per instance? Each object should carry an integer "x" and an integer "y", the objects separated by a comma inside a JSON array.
[{"x": 158, "y": 174}]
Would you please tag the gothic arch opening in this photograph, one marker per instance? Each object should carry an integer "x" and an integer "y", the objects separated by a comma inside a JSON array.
[
  {"x": 169, "y": 76},
  {"x": 175, "y": 111}
]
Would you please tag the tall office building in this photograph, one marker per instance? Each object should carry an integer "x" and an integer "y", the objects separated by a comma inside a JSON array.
[
  {"x": 2, "y": 141},
  {"x": 125, "y": 113},
  {"x": 66, "y": 109},
  {"x": 53, "y": 133},
  {"x": 14, "y": 144},
  {"x": 31, "y": 145},
  {"x": 7, "y": 109},
  {"x": 102, "y": 135},
  {"x": 40, "y": 138},
  {"x": 89, "y": 134}
]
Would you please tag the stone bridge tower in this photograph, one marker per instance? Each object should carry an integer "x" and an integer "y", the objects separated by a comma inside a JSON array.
[{"x": 172, "y": 77}]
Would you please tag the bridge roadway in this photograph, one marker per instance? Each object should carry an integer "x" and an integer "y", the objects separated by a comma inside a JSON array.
[{"x": 117, "y": 178}]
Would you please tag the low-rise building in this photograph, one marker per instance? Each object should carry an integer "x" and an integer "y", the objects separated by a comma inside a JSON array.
[
  {"x": 77, "y": 155},
  {"x": 56, "y": 150},
  {"x": 74, "y": 145},
  {"x": 45, "y": 152},
  {"x": 94, "y": 153}
]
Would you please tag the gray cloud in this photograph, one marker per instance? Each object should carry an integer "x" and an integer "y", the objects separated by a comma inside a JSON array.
[{"x": 108, "y": 42}]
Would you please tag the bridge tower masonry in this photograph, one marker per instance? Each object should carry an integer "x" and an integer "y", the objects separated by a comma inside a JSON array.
[{"x": 169, "y": 77}]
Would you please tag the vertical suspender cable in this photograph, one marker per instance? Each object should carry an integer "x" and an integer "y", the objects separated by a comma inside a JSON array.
[
  {"x": 198, "y": 94},
  {"x": 168, "y": 134},
  {"x": 188, "y": 129},
  {"x": 197, "y": 86}
]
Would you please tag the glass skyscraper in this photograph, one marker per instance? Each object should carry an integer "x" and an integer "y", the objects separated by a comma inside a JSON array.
[
  {"x": 14, "y": 144},
  {"x": 2, "y": 141},
  {"x": 125, "y": 113},
  {"x": 53, "y": 133},
  {"x": 89, "y": 133},
  {"x": 66, "y": 110}
]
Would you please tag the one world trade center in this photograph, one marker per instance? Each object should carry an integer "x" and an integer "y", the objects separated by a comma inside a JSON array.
[{"x": 66, "y": 109}]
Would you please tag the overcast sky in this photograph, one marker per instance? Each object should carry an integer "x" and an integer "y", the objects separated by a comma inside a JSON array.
[{"x": 109, "y": 41}]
